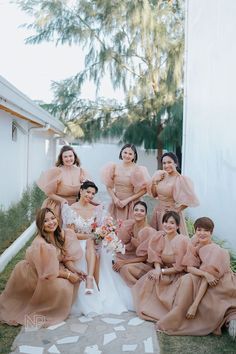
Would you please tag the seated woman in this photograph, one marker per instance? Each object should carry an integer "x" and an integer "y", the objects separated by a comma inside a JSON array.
[
  {"x": 81, "y": 217},
  {"x": 153, "y": 293},
  {"x": 105, "y": 292},
  {"x": 41, "y": 286},
  {"x": 135, "y": 234},
  {"x": 206, "y": 297}
]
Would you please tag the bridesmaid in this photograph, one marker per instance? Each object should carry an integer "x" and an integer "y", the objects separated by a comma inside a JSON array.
[
  {"x": 173, "y": 191},
  {"x": 135, "y": 234},
  {"x": 206, "y": 297},
  {"x": 125, "y": 182},
  {"x": 62, "y": 183},
  {"x": 153, "y": 293},
  {"x": 41, "y": 286}
]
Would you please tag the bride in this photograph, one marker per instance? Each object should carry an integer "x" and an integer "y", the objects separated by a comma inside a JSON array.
[{"x": 109, "y": 293}]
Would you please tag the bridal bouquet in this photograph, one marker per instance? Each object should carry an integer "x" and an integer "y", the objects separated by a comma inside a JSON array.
[{"x": 106, "y": 234}]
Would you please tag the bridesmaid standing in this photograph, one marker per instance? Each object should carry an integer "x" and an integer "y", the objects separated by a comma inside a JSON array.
[
  {"x": 62, "y": 183},
  {"x": 125, "y": 182},
  {"x": 173, "y": 192}
]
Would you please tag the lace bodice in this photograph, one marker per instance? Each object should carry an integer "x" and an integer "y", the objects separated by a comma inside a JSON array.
[{"x": 69, "y": 216}]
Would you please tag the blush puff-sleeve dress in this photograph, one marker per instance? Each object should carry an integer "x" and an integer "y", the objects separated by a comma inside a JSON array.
[
  {"x": 171, "y": 194},
  {"x": 62, "y": 181},
  {"x": 218, "y": 305},
  {"x": 124, "y": 186},
  {"x": 34, "y": 290},
  {"x": 153, "y": 299},
  {"x": 134, "y": 247}
]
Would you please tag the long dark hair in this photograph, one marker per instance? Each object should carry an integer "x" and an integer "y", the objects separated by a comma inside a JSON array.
[
  {"x": 65, "y": 148},
  {"x": 85, "y": 185},
  {"x": 174, "y": 215},
  {"x": 132, "y": 147},
  {"x": 173, "y": 157},
  {"x": 40, "y": 220}
]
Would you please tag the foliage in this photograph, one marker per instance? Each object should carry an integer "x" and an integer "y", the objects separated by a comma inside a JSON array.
[
  {"x": 139, "y": 44},
  {"x": 19, "y": 216}
]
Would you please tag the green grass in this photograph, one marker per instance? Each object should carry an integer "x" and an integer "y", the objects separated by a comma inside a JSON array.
[
  {"x": 210, "y": 344},
  {"x": 8, "y": 333}
]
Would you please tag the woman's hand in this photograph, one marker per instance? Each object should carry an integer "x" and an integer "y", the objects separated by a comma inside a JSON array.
[
  {"x": 73, "y": 277},
  {"x": 160, "y": 175},
  {"x": 82, "y": 275},
  {"x": 117, "y": 265},
  {"x": 212, "y": 281},
  {"x": 117, "y": 202},
  {"x": 124, "y": 202},
  {"x": 154, "y": 274}
]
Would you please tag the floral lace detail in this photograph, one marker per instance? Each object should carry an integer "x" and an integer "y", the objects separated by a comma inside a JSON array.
[{"x": 69, "y": 217}]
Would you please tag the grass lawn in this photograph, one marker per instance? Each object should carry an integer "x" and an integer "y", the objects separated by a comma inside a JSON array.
[{"x": 210, "y": 344}]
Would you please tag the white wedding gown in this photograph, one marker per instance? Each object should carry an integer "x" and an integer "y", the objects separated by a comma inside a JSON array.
[{"x": 113, "y": 295}]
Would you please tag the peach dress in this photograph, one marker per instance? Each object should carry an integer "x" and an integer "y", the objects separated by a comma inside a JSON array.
[
  {"x": 172, "y": 193},
  {"x": 153, "y": 299},
  {"x": 218, "y": 305},
  {"x": 126, "y": 235},
  {"x": 124, "y": 186},
  {"x": 62, "y": 181},
  {"x": 34, "y": 291}
]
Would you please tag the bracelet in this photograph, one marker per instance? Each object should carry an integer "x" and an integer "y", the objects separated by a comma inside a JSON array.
[{"x": 68, "y": 275}]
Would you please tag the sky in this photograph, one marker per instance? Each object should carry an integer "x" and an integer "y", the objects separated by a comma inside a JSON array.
[{"x": 32, "y": 68}]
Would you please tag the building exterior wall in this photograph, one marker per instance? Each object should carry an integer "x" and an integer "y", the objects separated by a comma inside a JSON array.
[
  {"x": 22, "y": 160},
  {"x": 209, "y": 139}
]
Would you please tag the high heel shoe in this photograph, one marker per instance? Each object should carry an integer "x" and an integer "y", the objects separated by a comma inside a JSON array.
[{"x": 89, "y": 291}]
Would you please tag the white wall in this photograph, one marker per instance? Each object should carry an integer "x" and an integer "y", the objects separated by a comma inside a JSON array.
[
  {"x": 14, "y": 156},
  {"x": 209, "y": 149}
]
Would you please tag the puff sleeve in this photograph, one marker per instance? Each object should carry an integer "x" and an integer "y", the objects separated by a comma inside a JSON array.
[
  {"x": 180, "y": 245},
  {"x": 49, "y": 180},
  {"x": 183, "y": 192},
  {"x": 125, "y": 233},
  {"x": 108, "y": 174},
  {"x": 155, "y": 248},
  {"x": 191, "y": 258},
  {"x": 140, "y": 178},
  {"x": 44, "y": 257},
  {"x": 144, "y": 237},
  {"x": 215, "y": 260}
]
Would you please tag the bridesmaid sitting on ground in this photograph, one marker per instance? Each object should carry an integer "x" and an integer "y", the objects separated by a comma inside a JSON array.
[
  {"x": 206, "y": 297},
  {"x": 62, "y": 183},
  {"x": 173, "y": 192},
  {"x": 125, "y": 182},
  {"x": 41, "y": 286},
  {"x": 135, "y": 234},
  {"x": 154, "y": 292}
]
